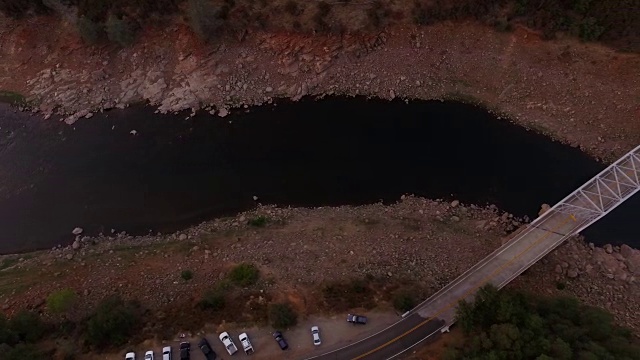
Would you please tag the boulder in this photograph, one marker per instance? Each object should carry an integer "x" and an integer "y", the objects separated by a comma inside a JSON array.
[
  {"x": 543, "y": 209},
  {"x": 77, "y": 231},
  {"x": 608, "y": 248}
]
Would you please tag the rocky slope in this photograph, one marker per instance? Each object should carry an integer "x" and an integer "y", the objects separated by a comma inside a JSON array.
[
  {"x": 582, "y": 94},
  {"x": 423, "y": 241}
]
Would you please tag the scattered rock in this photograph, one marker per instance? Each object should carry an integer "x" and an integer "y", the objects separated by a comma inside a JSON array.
[
  {"x": 572, "y": 273},
  {"x": 455, "y": 203},
  {"x": 77, "y": 231},
  {"x": 626, "y": 251},
  {"x": 182, "y": 237},
  {"x": 69, "y": 256},
  {"x": 543, "y": 209},
  {"x": 455, "y": 219},
  {"x": 75, "y": 245},
  {"x": 133, "y": 132},
  {"x": 608, "y": 248},
  {"x": 223, "y": 112}
]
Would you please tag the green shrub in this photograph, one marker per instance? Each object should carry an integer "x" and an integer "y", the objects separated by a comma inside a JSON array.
[
  {"x": 213, "y": 300},
  {"x": 89, "y": 30},
  {"x": 120, "y": 31},
  {"x": 28, "y": 326},
  {"x": 186, "y": 275},
  {"x": 21, "y": 351},
  {"x": 282, "y": 316},
  {"x": 61, "y": 301},
  {"x": 113, "y": 322},
  {"x": 244, "y": 274},
  {"x": 259, "y": 221},
  {"x": 404, "y": 301},
  {"x": 7, "y": 335},
  {"x": 205, "y": 19}
]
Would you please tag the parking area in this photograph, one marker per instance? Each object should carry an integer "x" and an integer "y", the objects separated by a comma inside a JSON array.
[{"x": 335, "y": 332}]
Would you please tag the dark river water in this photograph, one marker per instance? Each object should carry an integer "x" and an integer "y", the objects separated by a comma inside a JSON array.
[{"x": 176, "y": 172}]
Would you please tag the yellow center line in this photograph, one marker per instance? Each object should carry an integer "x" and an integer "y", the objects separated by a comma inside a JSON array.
[{"x": 477, "y": 286}]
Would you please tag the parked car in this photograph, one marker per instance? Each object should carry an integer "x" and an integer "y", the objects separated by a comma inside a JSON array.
[
  {"x": 185, "y": 350},
  {"x": 356, "y": 319},
  {"x": 246, "y": 344},
  {"x": 207, "y": 350},
  {"x": 228, "y": 343},
  {"x": 148, "y": 355},
  {"x": 166, "y": 353},
  {"x": 280, "y": 340},
  {"x": 130, "y": 356},
  {"x": 315, "y": 333}
]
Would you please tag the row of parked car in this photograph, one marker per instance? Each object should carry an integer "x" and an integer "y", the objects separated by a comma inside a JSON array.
[{"x": 230, "y": 346}]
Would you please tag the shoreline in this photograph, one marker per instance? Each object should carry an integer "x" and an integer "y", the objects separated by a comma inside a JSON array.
[{"x": 580, "y": 94}]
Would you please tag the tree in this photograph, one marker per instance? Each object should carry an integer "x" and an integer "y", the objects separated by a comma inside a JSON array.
[
  {"x": 282, "y": 316},
  {"x": 61, "y": 301},
  {"x": 89, "y": 30},
  {"x": 120, "y": 31},
  {"x": 204, "y": 18},
  {"x": 27, "y": 326},
  {"x": 112, "y": 323}
]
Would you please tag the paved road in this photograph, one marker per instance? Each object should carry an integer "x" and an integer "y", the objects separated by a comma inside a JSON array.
[{"x": 388, "y": 342}]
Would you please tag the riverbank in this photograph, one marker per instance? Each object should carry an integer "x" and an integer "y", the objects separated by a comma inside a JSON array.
[
  {"x": 415, "y": 244},
  {"x": 581, "y": 94}
]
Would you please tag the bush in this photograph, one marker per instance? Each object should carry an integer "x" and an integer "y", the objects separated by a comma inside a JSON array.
[
  {"x": 61, "y": 301},
  {"x": 282, "y": 316},
  {"x": 113, "y": 322},
  {"x": 28, "y": 326},
  {"x": 404, "y": 301},
  {"x": 21, "y": 351},
  {"x": 244, "y": 274},
  {"x": 120, "y": 31},
  {"x": 213, "y": 300},
  {"x": 89, "y": 30},
  {"x": 186, "y": 275},
  {"x": 205, "y": 19},
  {"x": 259, "y": 221},
  {"x": 291, "y": 7}
]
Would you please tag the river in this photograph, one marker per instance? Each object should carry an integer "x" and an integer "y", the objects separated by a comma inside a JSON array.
[{"x": 174, "y": 172}]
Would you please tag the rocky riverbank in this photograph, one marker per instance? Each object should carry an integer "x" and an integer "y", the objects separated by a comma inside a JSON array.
[
  {"x": 581, "y": 94},
  {"x": 416, "y": 240}
]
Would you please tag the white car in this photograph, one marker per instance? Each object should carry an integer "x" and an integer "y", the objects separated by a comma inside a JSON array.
[
  {"x": 130, "y": 356},
  {"x": 148, "y": 355},
  {"x": 315, "y": 332},
  {"x": 246, "y": 343},
  {"x": 228, "y": 343},
  {"x": 166, "y": 353}
]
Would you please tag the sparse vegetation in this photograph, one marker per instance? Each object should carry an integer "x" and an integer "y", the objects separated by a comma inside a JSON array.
[
  {"x": 186, "y": 275},
  {"x": 244, "y": 274},
  {"x": 404, "y": 301},
  {"x": 213, "y": 300},
  {"x": 258, "y": 221},
  {"x": 282, "y": 316},
  {"x": 120, "y": 31},
  {"x": 61, "y": 301},
  {"x": 113, "y": 322},
  {"x": 590, "y": 20},
  {"x": 90, "y": 31},
  {"x": 341, "y": 296},
  {"x": 514, "y": 325},
  {"x": 205, "y": 18}
]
